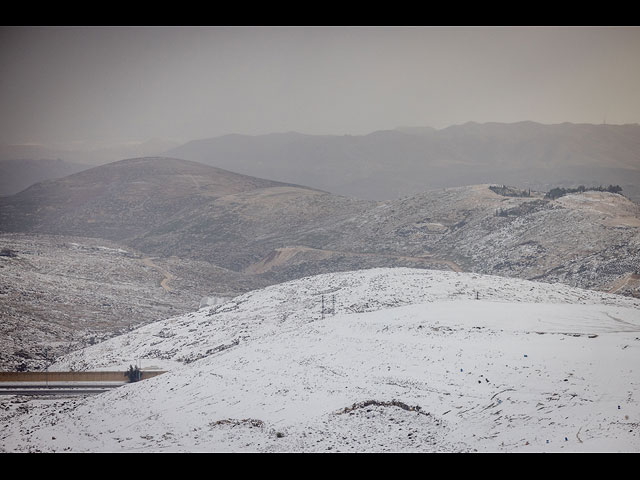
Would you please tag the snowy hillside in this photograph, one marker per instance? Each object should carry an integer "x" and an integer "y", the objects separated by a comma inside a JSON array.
[
  {"x": 587, "y": 240},
  {"x": 408, "y": 360}
]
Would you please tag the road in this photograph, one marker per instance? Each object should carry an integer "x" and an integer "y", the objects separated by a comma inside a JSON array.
[
  {"x": 55, "y": 389},
  {"x": 624, "y": 281},
  {"x": 164, "y": 283}
]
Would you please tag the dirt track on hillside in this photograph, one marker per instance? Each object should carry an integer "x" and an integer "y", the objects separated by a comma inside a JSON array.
[
  {"x": 164, "y": 283},
  {"x": 624, "y": 281}
]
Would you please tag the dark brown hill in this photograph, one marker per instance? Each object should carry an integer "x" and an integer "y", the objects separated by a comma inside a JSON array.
[
  {"x": 122, "y": 199},
  {"x": 166, "y": 206}
]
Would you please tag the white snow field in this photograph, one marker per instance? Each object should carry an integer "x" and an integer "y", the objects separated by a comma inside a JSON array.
[{"x": 410, "y": 361}]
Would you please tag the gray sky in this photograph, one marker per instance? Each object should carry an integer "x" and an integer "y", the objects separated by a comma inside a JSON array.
[{"x": 110, "y": 85}]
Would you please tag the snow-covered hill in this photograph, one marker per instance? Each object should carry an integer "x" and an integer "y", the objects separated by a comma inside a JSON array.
[
  {"x": 587, "y": 240},
  {"x": 407, "y": 360}
]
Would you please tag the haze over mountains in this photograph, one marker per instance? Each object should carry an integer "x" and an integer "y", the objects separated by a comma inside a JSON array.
[
  {"x": 20, "y": 174},
  {"x": 85, "y": 153},
  {"x": 383, "y": 165},
  {"x": 390, "y": 164},
  {"x": 23, "y": 165}
]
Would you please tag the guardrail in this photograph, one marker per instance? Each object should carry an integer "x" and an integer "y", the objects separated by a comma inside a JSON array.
[{"x": 74, "y": 376}]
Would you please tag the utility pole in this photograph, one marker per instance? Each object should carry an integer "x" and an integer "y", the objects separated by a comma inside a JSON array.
[
  {"x": 322, "y": 307},
  {"x": 46, "y": 359},
  {"x": 333, "y": 306}
]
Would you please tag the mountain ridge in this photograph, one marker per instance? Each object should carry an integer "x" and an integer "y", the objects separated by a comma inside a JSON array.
[{"x": 389, "y": 164}]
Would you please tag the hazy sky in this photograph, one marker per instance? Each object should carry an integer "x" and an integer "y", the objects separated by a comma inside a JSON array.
[{"x": 104, "y": 84}]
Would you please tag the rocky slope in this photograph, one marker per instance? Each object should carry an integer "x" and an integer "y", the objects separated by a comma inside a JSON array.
[
  {"x": 591, "y": 239},
  {"x": 59, "y": 294}
]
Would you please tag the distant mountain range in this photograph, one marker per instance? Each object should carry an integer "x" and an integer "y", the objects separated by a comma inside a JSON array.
[
  {"x": 23, "y": 165},
  {"x": 20, "y": 174},
  {"x": 383, "y": 165},
  {"x": 85, "y": 154},
  {"x": 389, "y": 164}
]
